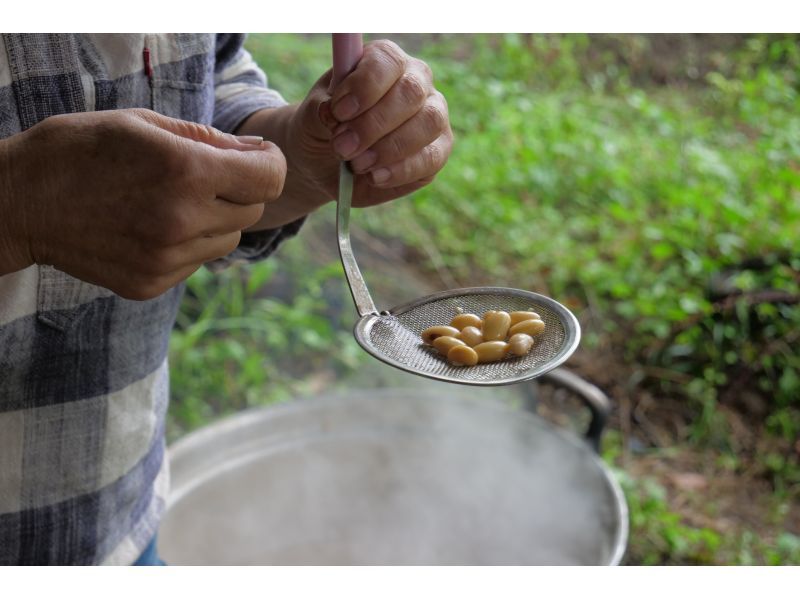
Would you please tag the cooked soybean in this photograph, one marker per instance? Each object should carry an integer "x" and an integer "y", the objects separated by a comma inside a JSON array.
[
  {"x": 495, "y": 325},
  {"x": 520, "y": 344},
  {"x": 470, "y": 339},
  {"x": 471, "y": 335},
  {"x": 462, "y": 355},
  {"x": 443, "y": 344},
  {"x": 519, "y": 316},
  {"x": 431, "y": 334},
  {"x": 529, "y": 327},
  {"x": 461, "y": 321},
  {"x": 491, "y": 351}
]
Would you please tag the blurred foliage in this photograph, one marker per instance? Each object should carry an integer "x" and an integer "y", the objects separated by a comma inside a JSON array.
[
  {"x": 235, "y": 347},
  {"x": 659, "y": 535},
  {"x": 665, "y": 215}
]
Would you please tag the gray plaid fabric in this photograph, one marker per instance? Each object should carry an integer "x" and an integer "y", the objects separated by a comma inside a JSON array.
[{"x": 83, "y": 372}]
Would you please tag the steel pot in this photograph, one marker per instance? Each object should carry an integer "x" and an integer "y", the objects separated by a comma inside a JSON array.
[{"x": 391, "y": 477}]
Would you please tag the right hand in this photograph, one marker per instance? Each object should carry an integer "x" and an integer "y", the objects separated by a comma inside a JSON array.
[{"x": 129, "y": 199}]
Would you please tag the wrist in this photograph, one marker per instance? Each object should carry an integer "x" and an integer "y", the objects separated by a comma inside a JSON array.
[{"x": 15, "y": 252}]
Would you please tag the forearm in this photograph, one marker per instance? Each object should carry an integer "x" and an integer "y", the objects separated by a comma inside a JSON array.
[{"x": 301, "y": 194}]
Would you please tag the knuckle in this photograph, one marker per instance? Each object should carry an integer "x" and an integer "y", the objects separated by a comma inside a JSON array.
[
  {"x": 54, "y": 127},
  {"x": 434, "y": 158},
  {"x": 148, "y": 264},
  {"x": 425, "y": 69},
  {"x": 141, "y": 113},
  {"x": 433, "y": 119},
  {"x": 254, "y": 214},
  {"x": 131, "y": 293},
  {"x": 202, "y": 130},
  {"x": 409, "y": 170},
  {"x": 390, "y": 51},
  {"x": 232, "y": 242},
  {"x": 57, "y": 121},
  {"x": 438, "y": 97},
  {"x": 150, "y": 261},
  {"x": 141, "y": 288},
  {"x": 168, "y": 164},
  {"x": 387, "y": 57},
  {"x": 449, "y": 140},
  {"x": 397, "y": 146},
  {"x": 411, "y": 88},
  {"x": 154, "y": 287},
  {"x": 174, "y": 226},
  {"x": 374, "y": 120},
  {"x": 274, "y": 177}
]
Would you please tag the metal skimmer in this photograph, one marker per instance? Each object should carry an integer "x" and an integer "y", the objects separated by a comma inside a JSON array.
[{"x": 393, "y": 336}]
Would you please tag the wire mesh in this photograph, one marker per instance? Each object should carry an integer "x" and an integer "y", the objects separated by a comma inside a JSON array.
[{"x": 395, "y": 338}]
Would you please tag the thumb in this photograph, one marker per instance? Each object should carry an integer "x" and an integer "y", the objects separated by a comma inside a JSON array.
[
  {"x": 318, "y": 120},
  {"x": 201, "y": 133}
]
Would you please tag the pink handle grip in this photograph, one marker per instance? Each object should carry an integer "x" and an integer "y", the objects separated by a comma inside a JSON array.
[{"x": 347, "y": 51}]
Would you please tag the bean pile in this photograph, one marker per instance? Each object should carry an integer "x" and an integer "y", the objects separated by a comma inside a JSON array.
[{"x": 470, "y": 339}]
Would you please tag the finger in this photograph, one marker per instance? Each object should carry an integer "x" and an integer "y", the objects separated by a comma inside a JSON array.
[
  {"x": 425, "y": 163},
  {"x": 200, "y": 133},
  {"x": 152, "y": 263},
  {"x": 244, "y": 177},
  {"x": 368, "y": 196},
  {"x": 150, "y": 288},
  {"x": 408, "y": 139},
  {"x": 382, "y": 64},
  {"x": 402, "y": 102},
  {"x": 176, "y": 260},
  {"x": 193, "y": 217},
  {"x": 146, "y": 273},
  {"x": 185, "y": 260},
  {"x": 130, "y": 283},
  {"x": 225, "y": 217}
]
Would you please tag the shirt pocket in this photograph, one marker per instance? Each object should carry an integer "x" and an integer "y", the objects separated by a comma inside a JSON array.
[
  {"x": 62, "y": 300},
  {"x": 182, "y": 75},
  {"x": 181, "y": 82}
]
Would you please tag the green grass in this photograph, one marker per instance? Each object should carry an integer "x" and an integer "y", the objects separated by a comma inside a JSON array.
[{"x": 666, "y": 217}]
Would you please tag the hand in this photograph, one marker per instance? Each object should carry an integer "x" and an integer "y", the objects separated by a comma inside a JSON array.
[
  {"x": 128, "y": 199},
  {"x": 390, "y": 122},
  {"x": 386, "y": 118}
]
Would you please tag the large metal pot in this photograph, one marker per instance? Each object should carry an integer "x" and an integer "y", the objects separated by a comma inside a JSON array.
[{"x": 391, "y": 477}]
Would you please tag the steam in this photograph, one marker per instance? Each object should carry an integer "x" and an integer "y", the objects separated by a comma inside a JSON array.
[{"x": 432, "y": 474}]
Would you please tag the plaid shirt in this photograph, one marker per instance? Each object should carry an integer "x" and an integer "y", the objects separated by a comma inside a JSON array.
[{"x": 83, "y": 372}]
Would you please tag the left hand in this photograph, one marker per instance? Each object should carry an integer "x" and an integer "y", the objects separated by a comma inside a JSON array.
[{"x": 386, "y": 118}]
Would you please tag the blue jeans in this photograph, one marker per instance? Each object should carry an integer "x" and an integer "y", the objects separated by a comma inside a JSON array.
[{"x": 149, "y": 556}]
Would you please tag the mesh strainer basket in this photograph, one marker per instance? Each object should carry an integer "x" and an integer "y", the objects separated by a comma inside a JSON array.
[{"x": 393, "y": 336}]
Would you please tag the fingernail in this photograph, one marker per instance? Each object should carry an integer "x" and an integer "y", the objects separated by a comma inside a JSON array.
[
  {"x": 345, "y": 144},
  {"x": 346, "y": 108},
  {"x": 326, "y": 115},
  {"x": 364, "y": 161},
  {"x": 250, "y": 139},
  {"x": 381, "y": 176}
]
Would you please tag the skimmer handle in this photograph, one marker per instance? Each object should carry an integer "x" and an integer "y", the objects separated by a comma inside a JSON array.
[{"x": 347, "y": 51}]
